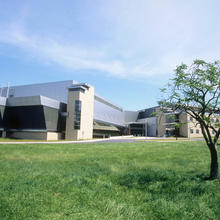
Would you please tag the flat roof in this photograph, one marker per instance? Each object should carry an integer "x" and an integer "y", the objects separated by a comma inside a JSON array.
[
  {"x": 44, "y": 83},
  {"x": 103, "y": 100}
]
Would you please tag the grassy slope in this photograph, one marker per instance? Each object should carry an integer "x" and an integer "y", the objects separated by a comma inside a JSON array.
[{"x": 107, "y": 181}]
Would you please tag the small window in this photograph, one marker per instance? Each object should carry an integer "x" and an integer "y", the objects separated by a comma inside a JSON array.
[
  {"x": 191, "y": 131},
  {"x": 213, "y": 132},
  {"x": 197, "y": 131},
  {"x": 191, "y": 118}
]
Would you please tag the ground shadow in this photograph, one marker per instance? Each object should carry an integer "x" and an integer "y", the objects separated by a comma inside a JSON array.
[{"x": 159, "y": 181}]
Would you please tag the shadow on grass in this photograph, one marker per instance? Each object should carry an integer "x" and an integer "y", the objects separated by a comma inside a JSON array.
[
  {"x": 142, "y": 177},
  {"x": 159, "y": 181}
]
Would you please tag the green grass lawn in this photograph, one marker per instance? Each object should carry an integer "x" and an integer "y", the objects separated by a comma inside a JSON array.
[{"x": 107, "y": 181}]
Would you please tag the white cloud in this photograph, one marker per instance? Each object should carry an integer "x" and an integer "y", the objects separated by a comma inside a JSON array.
[
  {"x": 146, "y": 39},
  {"x": 70, "y": 56}
]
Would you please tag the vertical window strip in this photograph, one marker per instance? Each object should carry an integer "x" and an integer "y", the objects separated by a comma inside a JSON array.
[{"x": 77, "y": 114}]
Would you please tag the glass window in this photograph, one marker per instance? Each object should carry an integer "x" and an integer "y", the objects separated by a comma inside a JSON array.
[
  {"x": 77, "y": 114},
  {"x": 197, "y": 131},
  {"x": 191, "y": 131},
  {"x": 191, "y": 118}
]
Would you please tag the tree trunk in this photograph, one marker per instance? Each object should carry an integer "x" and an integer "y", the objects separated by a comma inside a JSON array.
[{"x": 214, "y": 162}]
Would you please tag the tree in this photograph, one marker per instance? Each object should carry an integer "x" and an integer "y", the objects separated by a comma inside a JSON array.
[{"x": 195, "y": 90}]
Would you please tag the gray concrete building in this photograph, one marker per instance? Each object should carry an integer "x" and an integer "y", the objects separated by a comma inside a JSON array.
[
  {"x": 73, "y": 111},
  {"x": 58, "y": 110}
]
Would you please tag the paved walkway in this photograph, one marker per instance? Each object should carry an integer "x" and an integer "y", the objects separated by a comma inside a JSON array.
[{"x": 125, "y": 139}]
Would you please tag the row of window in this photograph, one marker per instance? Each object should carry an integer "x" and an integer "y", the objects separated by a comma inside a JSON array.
[
  {"x": 192, "y": 131},
  {"x": 197, "y": 131}
]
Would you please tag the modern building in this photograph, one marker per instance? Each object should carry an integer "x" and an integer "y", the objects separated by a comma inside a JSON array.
[
  {"x": 73, "y": 111},
  {"x": 58, "y": 110}
]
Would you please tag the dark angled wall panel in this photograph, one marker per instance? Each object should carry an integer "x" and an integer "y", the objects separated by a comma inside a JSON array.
[
  {"x": 62, "y": 120},
  {"x": 24, "y": 117},
  {"x": 51, "y": 118},
  {"x": 2, "y": 109}
]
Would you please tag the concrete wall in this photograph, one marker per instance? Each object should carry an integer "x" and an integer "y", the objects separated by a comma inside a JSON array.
[
  {"x": 27, "y": 135},
  {"x": 87, "y": 111},
  {"x": 152, "y": 127},
  {"x": 87, "y": 114},
  {"x": 32, "y": 135},
  {"x": 161, "y": 119},
  {"x": 194, "y": 129},
  {"x": 54, "y": 136},
  {"x": 71, "y": 133},
  {"x": 190, "y": 128},
  {"x": 184, "y": 130},
  {"x": 130, "y": 116}
]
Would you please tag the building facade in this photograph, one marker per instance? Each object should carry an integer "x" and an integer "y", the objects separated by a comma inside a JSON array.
[{"x": 72, "y": 111}]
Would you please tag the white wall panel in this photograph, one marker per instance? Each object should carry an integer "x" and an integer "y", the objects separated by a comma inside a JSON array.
[
  {"x": 53, "y": 90},
  {"x": 106, "y": 113}
]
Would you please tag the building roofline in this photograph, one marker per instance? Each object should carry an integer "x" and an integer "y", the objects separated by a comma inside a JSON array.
[
  {"x": 44, "y": 83},
  {"x": 100, "y": 98},
  {"x": 157, "y": 106}
]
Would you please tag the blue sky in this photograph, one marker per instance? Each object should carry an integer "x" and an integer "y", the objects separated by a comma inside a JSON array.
[{"x": 127, "y": 49}]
